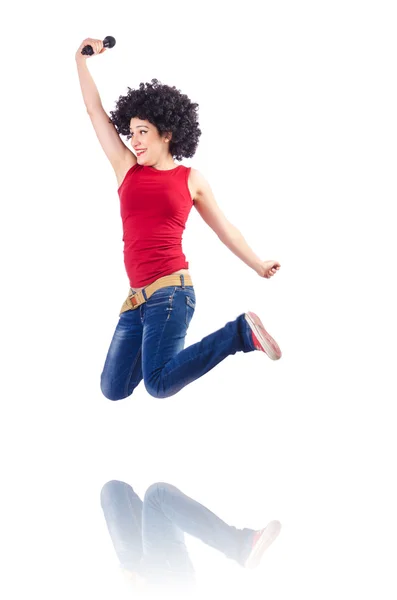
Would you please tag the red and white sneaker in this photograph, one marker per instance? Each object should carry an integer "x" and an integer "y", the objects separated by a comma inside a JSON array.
[
  {"x": 262, "y": 340},
  {"x": 261, "y": 542}
]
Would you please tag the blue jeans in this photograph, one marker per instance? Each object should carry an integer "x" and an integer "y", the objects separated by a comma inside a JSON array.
[
  {"x": 149, "y": 344},
  {"x": 149, "y": 537}
]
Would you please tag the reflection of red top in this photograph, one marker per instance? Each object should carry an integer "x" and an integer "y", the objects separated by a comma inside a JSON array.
[{"x": 154, "y": 207}]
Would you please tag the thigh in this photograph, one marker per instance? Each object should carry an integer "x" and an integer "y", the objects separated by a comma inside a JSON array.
[
  {"x": 163, "y": 541},
  {"x": 122, "y": 509},
  {"x": 123, "y": 366},
  {"x": 166, "y": 318}
]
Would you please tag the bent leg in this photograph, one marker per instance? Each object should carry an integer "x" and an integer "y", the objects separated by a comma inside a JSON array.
[
  {"x": 122, "y": 509},
  {"x": 166, "y": 560},
  {"x": 123, "y": 366},
  {"x": 167, "y": 365},
  {"x": 167, "y": 513}
]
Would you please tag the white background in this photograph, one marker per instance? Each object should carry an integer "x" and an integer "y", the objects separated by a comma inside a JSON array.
[{"x": 298, "y": 114}]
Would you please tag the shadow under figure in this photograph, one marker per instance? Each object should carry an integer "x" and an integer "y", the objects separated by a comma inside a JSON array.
[
  {"x": 156, "y": 197},
  {"x": 148, "y": 536}
]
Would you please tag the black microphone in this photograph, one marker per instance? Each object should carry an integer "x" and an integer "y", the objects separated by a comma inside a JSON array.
[{"x": 108, "y": 42}]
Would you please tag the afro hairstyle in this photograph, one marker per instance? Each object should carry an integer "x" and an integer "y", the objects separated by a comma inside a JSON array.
[{"x": 166, "y": 108}]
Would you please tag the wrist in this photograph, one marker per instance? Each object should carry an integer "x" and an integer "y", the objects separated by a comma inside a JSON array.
[
  {"x": 258, "y": 268},
  {"x": 81, "y": 59}
]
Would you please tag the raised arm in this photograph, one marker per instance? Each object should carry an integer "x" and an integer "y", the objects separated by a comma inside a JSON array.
[{"x": 120, "y": 157}]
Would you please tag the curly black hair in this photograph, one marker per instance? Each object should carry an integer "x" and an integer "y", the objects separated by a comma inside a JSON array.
[{"x": 166, "y": 108}]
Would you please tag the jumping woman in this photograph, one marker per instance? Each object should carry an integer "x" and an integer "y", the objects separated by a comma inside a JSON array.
[{"x": 156, "y": 196}]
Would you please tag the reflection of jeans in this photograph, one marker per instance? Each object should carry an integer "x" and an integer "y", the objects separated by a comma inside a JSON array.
[
  {"x": 154, "y": 530},
  {"x": 149, "y": 343}
]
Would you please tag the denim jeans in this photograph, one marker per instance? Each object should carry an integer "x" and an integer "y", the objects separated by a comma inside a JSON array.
[
  {"x": 148, "y": 344},
  {"x": 148, "y": 537}
]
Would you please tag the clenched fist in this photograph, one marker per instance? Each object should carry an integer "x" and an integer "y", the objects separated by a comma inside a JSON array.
[
  {"x": 268, "y": 268},
  {"x": 96, "y": 45}
]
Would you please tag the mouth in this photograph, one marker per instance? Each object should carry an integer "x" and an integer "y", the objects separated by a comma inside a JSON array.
[{"x": 140, "y": 152}]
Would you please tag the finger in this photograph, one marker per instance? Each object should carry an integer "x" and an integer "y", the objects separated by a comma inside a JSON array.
[{"x": 88, "y": 42}]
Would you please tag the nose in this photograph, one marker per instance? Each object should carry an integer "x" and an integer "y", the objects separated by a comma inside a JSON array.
[{"x": 136, "y": 142}]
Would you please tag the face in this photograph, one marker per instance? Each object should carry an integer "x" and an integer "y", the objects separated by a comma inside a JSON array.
[{"x": 148, "y": 145}]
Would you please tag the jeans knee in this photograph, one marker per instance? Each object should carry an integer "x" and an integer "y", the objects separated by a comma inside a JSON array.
[
  {"x": 111, "y": 392},
  {"x": 110, "y": 489},
  {"x": 155, "y": 490},
  {"x": 156, "y": 391}
]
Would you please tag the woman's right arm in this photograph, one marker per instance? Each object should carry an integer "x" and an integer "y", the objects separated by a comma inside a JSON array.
[{"x": 120, "y": 157}]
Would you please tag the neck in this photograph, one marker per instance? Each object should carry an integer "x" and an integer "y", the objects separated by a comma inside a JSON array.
[{"x": 164, "y": 163}]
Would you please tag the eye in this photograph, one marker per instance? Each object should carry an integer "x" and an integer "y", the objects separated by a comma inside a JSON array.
[{"x": 141, "y": 131}]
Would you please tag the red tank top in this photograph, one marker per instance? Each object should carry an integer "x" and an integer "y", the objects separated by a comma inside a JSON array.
[{"x": 154, "y": 209}]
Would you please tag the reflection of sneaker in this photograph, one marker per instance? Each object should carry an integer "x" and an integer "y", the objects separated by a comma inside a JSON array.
[
  {"x": 262, "y": 340},
  {"x": 132, "y": 579},
  {"x": 261, "y": 542}
]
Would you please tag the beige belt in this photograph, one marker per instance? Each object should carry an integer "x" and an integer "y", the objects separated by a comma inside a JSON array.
[{"x": 136, "y": 299}]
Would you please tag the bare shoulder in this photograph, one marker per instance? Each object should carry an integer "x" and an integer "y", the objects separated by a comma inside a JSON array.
[
  {"x": 197, "y": 184},
  {"x": 122, "y": 168}
]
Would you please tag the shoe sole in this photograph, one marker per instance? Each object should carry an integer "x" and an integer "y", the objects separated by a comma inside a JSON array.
[
  {"x": 269, "y": 345},
  {"x": 270, "y": 533}
]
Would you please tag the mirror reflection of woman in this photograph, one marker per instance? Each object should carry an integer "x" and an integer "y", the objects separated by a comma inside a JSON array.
[
  {"x": 149, "y": 536},
  {"x": 156, "y": 196}
]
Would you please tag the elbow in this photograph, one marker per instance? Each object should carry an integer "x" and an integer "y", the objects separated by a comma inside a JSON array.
[
  {"x": 229, "y": 234},
  {"x": 93, "y": 109}
]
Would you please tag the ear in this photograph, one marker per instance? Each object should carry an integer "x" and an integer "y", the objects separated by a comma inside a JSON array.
[{"x": 168, "y": 136}]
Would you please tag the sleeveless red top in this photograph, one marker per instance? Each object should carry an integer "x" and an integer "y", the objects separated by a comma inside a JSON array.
[{"x": 154, "y": 208}]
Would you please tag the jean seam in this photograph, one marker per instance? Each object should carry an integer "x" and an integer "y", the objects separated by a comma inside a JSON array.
[
  {"x": 186, "y": 363},
  {"x": 189, "y": 304},
  {"x": 165, "y": 323},
  {"x": 128, "y": 381}
]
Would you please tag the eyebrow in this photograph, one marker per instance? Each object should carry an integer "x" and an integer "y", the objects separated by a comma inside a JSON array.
[{"x": 140, "y": 126}]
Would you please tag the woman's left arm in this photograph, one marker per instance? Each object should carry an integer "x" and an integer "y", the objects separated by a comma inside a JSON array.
[{"x": 208, "y": 209}]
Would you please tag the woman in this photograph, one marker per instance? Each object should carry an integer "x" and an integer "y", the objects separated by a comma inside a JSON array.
[
  {"x": 156, "y": 196},
  {"x": 148, "y": 536}
]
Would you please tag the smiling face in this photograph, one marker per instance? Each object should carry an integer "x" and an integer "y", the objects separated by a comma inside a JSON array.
[{"x": 150, "y": 147}]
